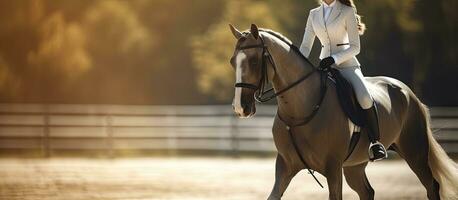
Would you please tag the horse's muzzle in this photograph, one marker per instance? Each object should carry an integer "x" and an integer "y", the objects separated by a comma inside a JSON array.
[{"x": 246, "y": 110}]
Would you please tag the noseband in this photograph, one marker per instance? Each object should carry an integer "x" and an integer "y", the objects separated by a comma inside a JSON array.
[{"x": 260, "y": 90}]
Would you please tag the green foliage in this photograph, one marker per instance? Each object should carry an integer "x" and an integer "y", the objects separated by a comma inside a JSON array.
[
  {"x": 138, "y": 51},
  {"x": 213, "y": 49}
]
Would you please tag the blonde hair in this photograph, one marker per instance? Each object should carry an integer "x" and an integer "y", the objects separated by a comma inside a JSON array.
[{"x": 350, "y": 3}]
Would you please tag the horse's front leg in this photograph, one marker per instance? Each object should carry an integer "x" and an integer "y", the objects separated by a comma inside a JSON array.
[
  {"x": 283, "y": 175},
  {"x": 334, "y": 178}
]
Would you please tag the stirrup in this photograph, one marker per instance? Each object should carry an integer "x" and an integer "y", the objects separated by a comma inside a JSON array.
[{"x": 371, "y": 155}]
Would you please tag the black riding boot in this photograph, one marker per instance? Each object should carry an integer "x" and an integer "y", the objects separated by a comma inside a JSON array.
[{"x": 376, "y": 149}]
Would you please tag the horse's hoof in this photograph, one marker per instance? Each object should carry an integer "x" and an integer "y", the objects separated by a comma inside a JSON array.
[{"x": 274, "y": 198}]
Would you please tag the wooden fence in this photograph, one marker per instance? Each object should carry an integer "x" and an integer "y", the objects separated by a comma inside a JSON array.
[{"x": 119, "y": 127}]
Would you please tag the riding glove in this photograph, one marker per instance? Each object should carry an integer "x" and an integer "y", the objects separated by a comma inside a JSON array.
[{"x": 326, "y": 63}]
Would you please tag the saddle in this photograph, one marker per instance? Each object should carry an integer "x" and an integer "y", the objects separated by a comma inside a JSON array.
[
  {"x": 350, "y": 106},
  {"x": 347, "y": 98}
]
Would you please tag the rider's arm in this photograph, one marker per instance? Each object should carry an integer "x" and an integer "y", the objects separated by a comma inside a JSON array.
[
  {"x": 309, "y": 37},
  {"x": 351, "y": 24}
]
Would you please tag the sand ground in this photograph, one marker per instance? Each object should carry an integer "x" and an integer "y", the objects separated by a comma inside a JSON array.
[{"x": 180, "y": 179}]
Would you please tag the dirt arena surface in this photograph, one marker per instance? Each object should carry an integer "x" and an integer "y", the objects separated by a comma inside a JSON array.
[{"x": 180, "y": 179}]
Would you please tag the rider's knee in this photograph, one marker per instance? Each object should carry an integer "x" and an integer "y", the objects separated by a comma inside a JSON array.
[{"x": 366, "y": 101}]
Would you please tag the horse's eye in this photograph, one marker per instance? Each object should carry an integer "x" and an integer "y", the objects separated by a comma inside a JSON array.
[
  {"x": 232, "y": 61},
  {"x": 253, "y": 62}
]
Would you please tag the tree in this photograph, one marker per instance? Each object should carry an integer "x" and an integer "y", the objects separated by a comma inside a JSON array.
[{"x": 213, "y": 49}]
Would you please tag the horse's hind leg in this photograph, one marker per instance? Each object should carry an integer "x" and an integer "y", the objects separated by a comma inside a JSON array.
[
  {"x": 357, "y": 180},
  {"x": 416, "y": 157},
  {"x": 283, "y": 175},
  {"x": 413, "y": 146}
]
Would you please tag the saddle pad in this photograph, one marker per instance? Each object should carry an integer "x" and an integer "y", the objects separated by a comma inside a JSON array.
[{"x": 347, "y": 99}]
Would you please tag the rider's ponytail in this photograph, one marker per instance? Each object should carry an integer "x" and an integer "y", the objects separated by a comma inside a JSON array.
[{"x": 361, "y": 25}]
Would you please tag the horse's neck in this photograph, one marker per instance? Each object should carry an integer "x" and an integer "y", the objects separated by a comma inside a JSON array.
[{"x": 298, "y": 102}]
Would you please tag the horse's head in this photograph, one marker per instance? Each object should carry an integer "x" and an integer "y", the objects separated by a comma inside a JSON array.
[{"x": 247, "y": 63}]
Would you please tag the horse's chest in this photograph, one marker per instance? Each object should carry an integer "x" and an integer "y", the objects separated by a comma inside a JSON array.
[{"x": 285, "y": 141}]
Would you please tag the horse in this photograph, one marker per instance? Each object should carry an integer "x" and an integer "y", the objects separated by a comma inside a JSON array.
[{"x": 311, "y": 131}]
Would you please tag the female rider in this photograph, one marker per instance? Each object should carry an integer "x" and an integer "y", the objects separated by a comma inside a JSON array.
[{"x": 338, "y": 26}]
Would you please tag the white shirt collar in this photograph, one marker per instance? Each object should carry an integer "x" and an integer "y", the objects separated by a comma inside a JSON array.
[{"x": 329, "y": 6}]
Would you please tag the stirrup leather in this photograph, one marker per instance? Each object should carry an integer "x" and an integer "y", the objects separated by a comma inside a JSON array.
[{"x": 371, "y": 155}]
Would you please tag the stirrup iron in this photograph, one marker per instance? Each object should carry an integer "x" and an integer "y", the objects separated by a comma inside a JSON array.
[{"x": 371, "y": 155}]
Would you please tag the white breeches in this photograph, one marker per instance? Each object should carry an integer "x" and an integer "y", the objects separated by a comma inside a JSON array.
[{"x": 356, "y": 78}]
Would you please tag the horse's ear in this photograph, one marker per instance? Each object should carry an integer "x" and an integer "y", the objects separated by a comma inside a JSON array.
[
  {"x": 254, "y": 31},
  {"x": 237, "y": 34}
]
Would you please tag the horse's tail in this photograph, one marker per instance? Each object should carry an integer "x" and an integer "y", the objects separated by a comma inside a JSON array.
[{"x": 444, "y": 169}]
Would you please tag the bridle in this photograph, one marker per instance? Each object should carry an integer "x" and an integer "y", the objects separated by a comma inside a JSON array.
[
  {"x": 260, "y": 88},
  {"x": 263, "y": 81}
]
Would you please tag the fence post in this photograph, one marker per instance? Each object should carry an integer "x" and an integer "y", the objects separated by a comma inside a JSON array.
[
  {"x": 45, "y": 139},
  {"x": 234, "y": 137},
  {"x": 109, "y": 133}
]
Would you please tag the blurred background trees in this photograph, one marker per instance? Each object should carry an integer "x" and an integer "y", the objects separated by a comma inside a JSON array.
[
  {"x": 177, "y": 52},
  {"x": 210, "y": 49}
]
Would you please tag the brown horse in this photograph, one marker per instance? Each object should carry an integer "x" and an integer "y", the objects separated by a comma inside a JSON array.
[{"x": 322, "y": 142}]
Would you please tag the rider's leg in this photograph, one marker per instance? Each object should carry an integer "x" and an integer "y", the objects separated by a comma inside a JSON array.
[{"x": 355, "y": 77}]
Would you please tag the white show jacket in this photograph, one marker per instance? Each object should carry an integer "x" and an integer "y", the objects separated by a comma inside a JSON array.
[{"x": 339, "y": 35}]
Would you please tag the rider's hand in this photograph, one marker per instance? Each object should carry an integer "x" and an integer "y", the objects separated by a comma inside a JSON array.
[{"x": 326, "y": 63}]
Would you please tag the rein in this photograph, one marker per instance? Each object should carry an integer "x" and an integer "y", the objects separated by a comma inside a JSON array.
[{"x": 261, "y": 92}]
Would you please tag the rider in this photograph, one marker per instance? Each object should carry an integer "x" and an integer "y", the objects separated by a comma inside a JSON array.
[{"x": 338, "y": 26}]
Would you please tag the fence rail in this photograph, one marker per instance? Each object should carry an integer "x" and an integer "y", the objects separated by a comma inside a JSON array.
[{"x": 118, "y": 127}]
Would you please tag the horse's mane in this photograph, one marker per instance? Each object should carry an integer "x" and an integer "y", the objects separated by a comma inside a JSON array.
[
  {"x": 287, "y": 41},
  {"x": 277, "y": 35}
]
